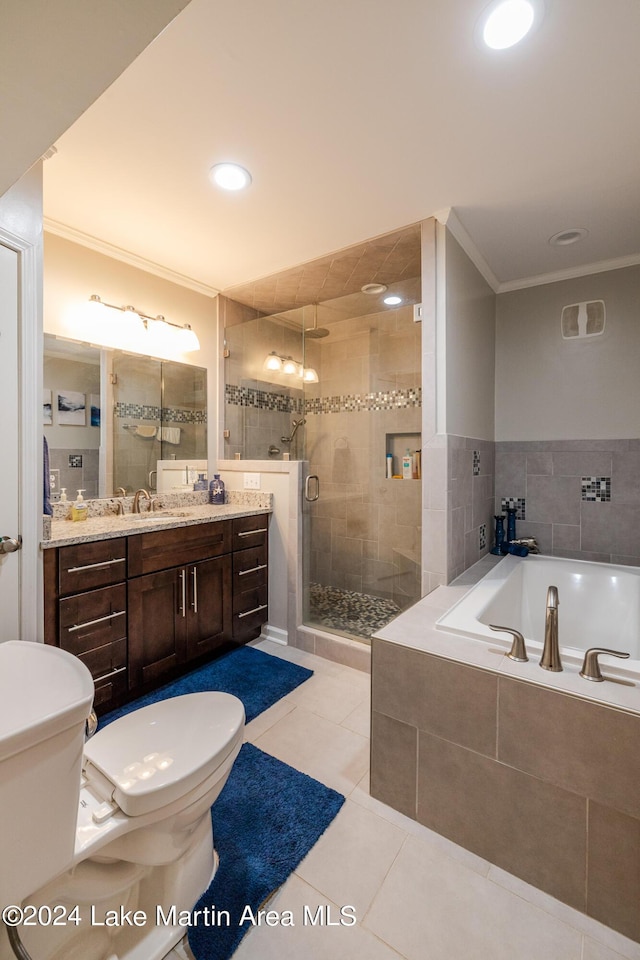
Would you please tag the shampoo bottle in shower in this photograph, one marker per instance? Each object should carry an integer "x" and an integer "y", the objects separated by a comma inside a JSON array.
[
  {"x": 407, "y": 466},
  {"x": 389, "y": 466}
]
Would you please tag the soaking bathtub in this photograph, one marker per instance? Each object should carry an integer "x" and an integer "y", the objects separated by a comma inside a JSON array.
[{"x": 599, "y": 607}]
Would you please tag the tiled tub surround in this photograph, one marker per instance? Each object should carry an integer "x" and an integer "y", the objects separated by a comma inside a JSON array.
[
  {"x": 538, "y": 773},
  {"x": 470, "y": 498},
  {"x": 582, "y": 496}
]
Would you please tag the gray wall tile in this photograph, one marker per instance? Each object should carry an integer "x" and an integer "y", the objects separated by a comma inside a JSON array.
[
  {"x": 587, "y": 464},
  {"x": 613, "y": 892},
  {"x": 553, "y": 499},
  {"x": 393, "y": 763}
]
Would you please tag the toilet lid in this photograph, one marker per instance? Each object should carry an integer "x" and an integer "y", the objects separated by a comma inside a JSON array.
[{"x": 158, "y": 753}]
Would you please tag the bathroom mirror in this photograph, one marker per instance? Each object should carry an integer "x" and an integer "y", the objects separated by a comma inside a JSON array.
[{"x": 112, "y": 419}]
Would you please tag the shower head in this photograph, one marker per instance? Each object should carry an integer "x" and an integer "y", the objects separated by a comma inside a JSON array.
[{"x": 315, "y": 332}]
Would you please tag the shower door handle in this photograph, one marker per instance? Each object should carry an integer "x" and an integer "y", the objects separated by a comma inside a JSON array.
[{"x": 307, "y": 488}]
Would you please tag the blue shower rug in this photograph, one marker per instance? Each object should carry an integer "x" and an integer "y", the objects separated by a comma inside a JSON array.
[
  {"x": 256, "y": 678},
  {"x": 265, "y": 821}
]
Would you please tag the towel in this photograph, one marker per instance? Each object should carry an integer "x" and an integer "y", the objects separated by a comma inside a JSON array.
[
  {"x": 46, "y": 488},
  {"x": 169, "y": 434}
]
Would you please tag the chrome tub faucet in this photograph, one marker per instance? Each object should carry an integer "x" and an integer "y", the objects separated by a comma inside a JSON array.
[{"x": 551, "y": 651}]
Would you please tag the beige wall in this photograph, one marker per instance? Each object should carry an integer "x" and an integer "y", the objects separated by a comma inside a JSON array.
[
  {"x": 72, "y": 273},
  {"x": 469, "y": 347},
  {"x": 548, "y": 388}
]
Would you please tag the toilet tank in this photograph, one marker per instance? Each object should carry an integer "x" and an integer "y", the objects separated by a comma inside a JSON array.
[{"x": 45, "y": 698}]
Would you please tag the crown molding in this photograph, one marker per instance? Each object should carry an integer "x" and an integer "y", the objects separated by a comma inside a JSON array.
[
  {"x": 571, "y": 273},
  {"x": 125, "y": 256},
  {"x": 449, "y": 218}
]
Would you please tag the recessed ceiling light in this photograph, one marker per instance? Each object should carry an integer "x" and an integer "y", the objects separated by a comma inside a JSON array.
[
  {"x": 566, "y": 237},
  {"x": 392, "y": 301},
  {"x": 229, "y": 176},
  {"x": 373, "y": 288},
  {"x": 506, "y": 22}
]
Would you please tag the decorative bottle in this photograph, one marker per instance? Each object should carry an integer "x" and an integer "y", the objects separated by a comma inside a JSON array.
[
  {"x": 201, "y": 483},
  {"x": 216, "y": 490},
  {"x": 499, "y": 519},
  {"x": 511, "y": 527}
]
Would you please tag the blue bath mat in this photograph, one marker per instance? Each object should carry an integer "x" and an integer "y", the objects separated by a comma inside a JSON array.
[
  {"x": 256, "y": 678},
  {"x": 265, "y": 821}
]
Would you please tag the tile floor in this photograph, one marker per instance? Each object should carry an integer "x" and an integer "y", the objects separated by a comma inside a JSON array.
[{"x": 416, "y": 895}]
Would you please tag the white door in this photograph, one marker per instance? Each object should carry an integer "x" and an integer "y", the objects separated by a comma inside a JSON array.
[{"x": 10, "y": 563}]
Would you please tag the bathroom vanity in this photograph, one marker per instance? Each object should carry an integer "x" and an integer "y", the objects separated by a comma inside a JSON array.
[{"x": 145, "y": 606}]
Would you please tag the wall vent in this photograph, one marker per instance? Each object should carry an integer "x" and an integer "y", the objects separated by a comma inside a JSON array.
[{"x": 582, "y": 320}]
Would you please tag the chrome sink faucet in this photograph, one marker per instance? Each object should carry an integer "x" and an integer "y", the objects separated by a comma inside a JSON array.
[
  {"x": 551, "y": 651},
  {"x": 136, "y": 499}
]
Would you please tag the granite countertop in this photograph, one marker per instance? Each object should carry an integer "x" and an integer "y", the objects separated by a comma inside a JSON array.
[{"x": 105, "y": 525}]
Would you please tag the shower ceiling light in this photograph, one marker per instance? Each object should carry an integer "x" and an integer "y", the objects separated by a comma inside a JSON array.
[
  {"x": 392, "y": 301},
  {"x": 567, "y": 237},
  {"x": 229, "y": 176},
  {"x": 506, "y": 22},
  {"x": 373, "y": 289}
]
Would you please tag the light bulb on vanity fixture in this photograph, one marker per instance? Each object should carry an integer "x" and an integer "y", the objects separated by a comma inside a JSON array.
[
  {"x": 125, "y": 328},
  {"x": 289, "y": 367}
]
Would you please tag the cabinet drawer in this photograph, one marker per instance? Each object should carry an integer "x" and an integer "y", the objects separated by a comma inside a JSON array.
[
  {"x": 249, "y": 611},
  {"x": 150, "y": 552},
  {"x": 249, "y": 569},
  {"x": 110, "y": 691},
  {"x": 87, "y": 565},
  {"x": 250, "y": 531},
  {"x": 106, "y": 662},
  {"x": 93, "y": 619}
]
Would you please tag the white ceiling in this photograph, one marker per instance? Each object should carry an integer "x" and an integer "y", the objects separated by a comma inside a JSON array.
[
  {"x": 357, "y": 117},
  {"x": 56, "y": 58}
]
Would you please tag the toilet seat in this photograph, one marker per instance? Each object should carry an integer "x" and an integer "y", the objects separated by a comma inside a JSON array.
[{"x": 159, "y": 753}]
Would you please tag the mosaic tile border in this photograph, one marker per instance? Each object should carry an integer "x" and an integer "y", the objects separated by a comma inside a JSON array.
[
  {"x": 143, "y": 411},
  {"x": 482, "y": 534},
  {"x": 596, "y": 489},
  {"x": 476, "y": 463},
  {"x": 366, "y": 402},
  {"x": 262, "y": 399},
  {"x": 520, "y": 503},
  {"x": 75, "y": 460}
]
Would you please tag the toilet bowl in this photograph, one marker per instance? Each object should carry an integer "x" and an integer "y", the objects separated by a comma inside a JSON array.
[{"x": 140, "y": 834}]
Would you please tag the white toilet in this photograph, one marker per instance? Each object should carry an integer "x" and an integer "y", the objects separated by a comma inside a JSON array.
[{"x": 118, "y": 824}]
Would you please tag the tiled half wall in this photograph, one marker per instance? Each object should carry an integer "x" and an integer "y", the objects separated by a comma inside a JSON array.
[
  {"x": 470, "y": 494},
  {"x": 475, "y": 755},
  {"x": 580, "y": 498}
]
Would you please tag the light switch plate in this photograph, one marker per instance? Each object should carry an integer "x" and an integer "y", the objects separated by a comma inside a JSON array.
[{"x": 252, "y": 481}]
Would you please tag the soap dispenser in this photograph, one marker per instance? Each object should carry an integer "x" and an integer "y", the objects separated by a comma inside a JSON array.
[{"x": 79, "y": 509}]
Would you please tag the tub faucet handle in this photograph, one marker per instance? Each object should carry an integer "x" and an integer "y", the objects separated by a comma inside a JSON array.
[
  {"x": 518, "y": 649},
  {"x": 591, "y": 667}
]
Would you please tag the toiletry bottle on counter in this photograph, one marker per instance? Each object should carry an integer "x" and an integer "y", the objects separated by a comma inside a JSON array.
[
  {"x": 63, "y": 495},
  {"x": 201, "y": 483},
  {"x": 389, "y": 466},
  {"x": 79, "y": 509},
  {"x": 407, "y": 466},
  {"x": 216, "y": 489}
]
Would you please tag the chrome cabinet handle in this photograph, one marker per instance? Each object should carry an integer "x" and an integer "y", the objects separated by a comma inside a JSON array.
[
  {"x": 94, "y": 566},
  {"x": 91, "y": 623},
  {"x": 10, "y": 544},
  {"x": 307, "y": 488},
  {"x": 105, "y": 676},
  {"x": 194, "y": 603},
  {"x": 250, "y": 533},
  {"x": 183, "y": 582},
  {"x": 261, "y": 566},
  {"x": 247, "y": 613},
  {"x": 591, "y": 667},
  {"x": 518, "y": 650}
]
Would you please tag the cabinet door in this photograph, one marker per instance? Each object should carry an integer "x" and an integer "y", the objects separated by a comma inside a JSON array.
[
  {"x": 209, "y": 590},
  {"x": 157, "y": 625}
]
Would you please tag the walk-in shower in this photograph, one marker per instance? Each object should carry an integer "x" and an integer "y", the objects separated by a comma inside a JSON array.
[{"x": 361, "y": 527}]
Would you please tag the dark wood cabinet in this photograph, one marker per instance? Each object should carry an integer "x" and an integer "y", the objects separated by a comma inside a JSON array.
[
  {"x": 176, "y": 616},
  {"x": 140, "y": 610}
]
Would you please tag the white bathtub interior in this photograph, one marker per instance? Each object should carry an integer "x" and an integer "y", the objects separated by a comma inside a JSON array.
[{"x": 599, "y": 606}]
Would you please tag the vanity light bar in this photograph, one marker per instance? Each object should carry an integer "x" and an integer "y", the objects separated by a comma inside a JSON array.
[{"x": 179, "y": 336}]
